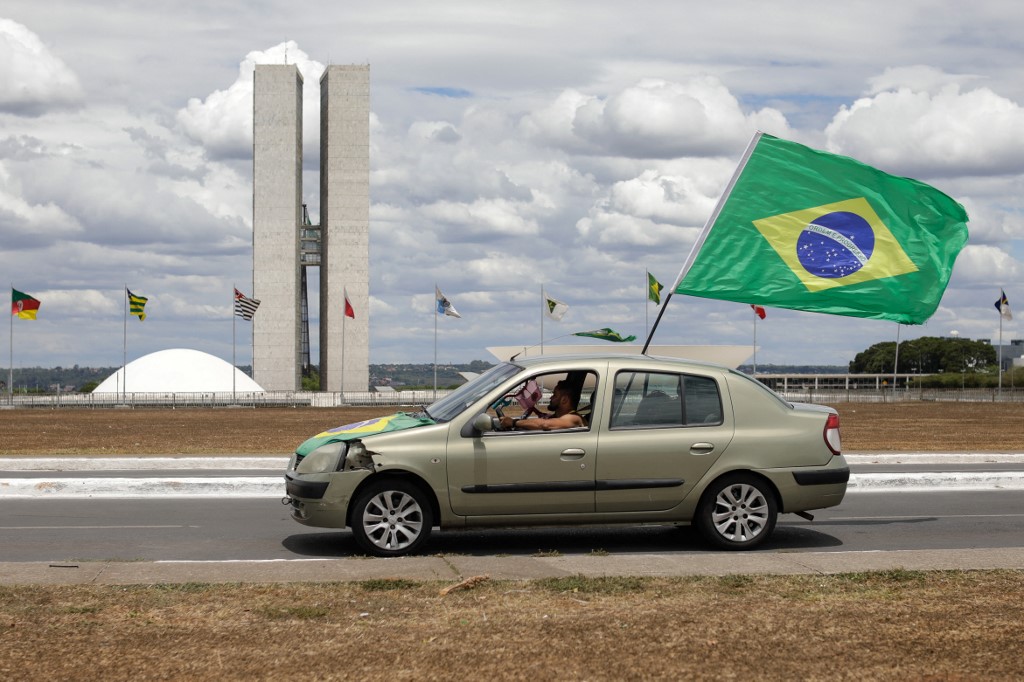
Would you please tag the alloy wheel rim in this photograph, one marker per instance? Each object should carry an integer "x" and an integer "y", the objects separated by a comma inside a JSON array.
[
  {"x": 393, "y": 520},
  {"x": 741, "y": 513}
]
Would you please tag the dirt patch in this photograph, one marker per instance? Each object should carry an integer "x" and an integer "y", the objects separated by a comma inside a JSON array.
[
  {"x": 866, "y": 427},
  {"x": 891, "y": 625}
]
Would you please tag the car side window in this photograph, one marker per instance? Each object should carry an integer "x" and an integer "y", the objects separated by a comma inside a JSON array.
[
  {"x": 531, "y": 408},
  {"x": 659, "y": 400},
  {"x": 702, "y": 402}
]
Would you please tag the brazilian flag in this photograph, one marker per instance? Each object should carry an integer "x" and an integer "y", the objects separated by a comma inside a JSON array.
[
  {"x": 395, "y": 422},
  {"x": 606, "y": 334},
  {"x": 808, "y": 230}
]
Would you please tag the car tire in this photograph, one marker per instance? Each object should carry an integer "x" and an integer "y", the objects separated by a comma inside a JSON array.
[
  {"x": 391, "y": 518},
  {"x": 737, "y": 511}
]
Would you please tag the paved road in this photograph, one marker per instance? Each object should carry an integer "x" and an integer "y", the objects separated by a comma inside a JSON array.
[{"x": 951, "y": 512}]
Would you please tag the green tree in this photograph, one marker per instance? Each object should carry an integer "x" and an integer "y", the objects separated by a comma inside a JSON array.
[{"x": 926, "y": 355}]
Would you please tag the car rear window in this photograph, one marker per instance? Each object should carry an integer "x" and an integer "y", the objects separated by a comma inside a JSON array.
[{"x": 661, "y": 399}]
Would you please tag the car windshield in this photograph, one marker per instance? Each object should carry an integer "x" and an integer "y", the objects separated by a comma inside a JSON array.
[{"x": 452, "y": 405}]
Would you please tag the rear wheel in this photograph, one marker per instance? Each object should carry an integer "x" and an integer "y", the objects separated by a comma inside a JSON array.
[
  {"x": 737, "y": 512},
  {"x": 391, "y": 518}
]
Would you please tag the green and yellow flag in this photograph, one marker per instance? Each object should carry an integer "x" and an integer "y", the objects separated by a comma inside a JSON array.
[
  {"x": 136, "y": 305},
  {"x": 654, "y": 288},
  {"x": 606, "y": 334},
  {"x": 808, "y": 230}
]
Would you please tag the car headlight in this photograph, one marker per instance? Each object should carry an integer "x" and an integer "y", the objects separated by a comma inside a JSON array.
[{"x": 323, "y": 460}]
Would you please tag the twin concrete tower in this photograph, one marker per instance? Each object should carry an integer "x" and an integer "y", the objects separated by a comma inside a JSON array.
[{"x": 285, "y": 244}]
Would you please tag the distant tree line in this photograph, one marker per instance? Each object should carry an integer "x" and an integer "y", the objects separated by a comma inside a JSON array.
[
  {"x": 926, "y": 355},
  {"x": 950, "y": 362}
]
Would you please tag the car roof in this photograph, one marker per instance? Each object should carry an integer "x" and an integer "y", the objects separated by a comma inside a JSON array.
[{"x": 617, "y": 359}]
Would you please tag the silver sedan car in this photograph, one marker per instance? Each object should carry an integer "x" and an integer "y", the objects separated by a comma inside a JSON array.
[{"x": 631, "y": 439}]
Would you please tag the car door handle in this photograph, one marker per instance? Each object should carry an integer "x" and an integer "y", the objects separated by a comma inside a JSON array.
[
  {"x": 573, "y": 453},
  {"x": 702, "y": 448}
]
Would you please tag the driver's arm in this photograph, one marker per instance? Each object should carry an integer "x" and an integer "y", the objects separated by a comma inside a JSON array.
[{"x": 567, "y": 421}]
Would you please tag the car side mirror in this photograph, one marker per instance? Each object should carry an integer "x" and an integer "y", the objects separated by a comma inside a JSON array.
[{"x": 483, "y": 422}]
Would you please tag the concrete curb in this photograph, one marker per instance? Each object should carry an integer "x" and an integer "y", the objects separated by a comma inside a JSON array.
[
  {"x": 272, "y": 486},
  {"x": 453, "y": 568}
]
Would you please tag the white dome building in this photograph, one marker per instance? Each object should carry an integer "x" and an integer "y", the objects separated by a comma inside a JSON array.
[{"x": 178, "y": 370}]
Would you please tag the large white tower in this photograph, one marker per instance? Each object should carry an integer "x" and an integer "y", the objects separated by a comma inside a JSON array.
[
  {"x": 345, "y": 227},
  {"x": 283, "y": 245}
]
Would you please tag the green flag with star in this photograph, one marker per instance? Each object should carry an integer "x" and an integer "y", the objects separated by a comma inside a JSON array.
[{"x": 804, "y": 229}]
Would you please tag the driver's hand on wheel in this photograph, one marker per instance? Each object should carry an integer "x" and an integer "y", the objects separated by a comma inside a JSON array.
[{"x": 507, "y": 423}]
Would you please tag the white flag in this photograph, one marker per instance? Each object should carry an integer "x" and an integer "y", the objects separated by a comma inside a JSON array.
[
  {"x": 1003, "y": 306},
  {"x": 554, "y": 309},
  {"x": 444, "y": 306}
]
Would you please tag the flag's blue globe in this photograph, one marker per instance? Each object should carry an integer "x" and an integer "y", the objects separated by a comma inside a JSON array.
[{"x": 835, "y": 245}]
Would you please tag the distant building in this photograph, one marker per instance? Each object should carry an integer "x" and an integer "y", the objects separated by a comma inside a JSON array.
[
  {"x": 1012, "y": 354},
  {"x": 285, "y": 243},
  {"x": 178, "y": 370}
]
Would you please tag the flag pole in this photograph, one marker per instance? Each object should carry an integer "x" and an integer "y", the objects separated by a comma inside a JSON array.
[
  {"x": 896, "y": 361},
  {"x": 10, "y": 367},
  {"x": 647, "y": 314},
  {"x": 124, "y": 350},
  {"x": 702, "y": 237},
  {"x": 344, "y": 314},
  {"x": 1000, "y": 344},
  {"x": 435, "y": 341},
  {"x": 543, "y": 303},
  {"x": 231, "y": 311},
  {"x": 755, "y": 342}
]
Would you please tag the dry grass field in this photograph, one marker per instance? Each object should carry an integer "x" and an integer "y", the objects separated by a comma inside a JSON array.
[
  {"x": 866, "y": 427},
  {"x": 895, "y": 625}
]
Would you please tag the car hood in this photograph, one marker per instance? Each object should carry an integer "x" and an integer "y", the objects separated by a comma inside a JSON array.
[{"x": 395, "y": 422}]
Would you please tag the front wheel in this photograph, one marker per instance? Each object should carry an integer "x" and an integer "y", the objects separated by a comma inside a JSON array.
[
  {"x": 391, "y": 518},
  {"x": 737, "y": 512}
]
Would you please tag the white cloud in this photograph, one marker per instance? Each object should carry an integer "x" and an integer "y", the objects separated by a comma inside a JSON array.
[
  {"x": 936, "y": 131},
  {"x": 32, "y": 79},
  {"x": 222, "y": 122},
  {"x": 577, "y": 163},
  {"x": 24, "y": 224},
  {"x": 986, "y": 265},
  {"x": 654, "y": 119},
  {"x": 484, "y": 216}
]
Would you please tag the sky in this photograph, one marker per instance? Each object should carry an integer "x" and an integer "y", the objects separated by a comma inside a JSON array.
[{"x": 569, "y": 146}]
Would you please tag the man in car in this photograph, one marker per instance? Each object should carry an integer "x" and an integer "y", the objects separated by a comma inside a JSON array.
[{"x": 563, "y": 404}]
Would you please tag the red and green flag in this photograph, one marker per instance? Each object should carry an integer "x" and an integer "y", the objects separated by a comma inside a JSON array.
[{"x": 23, "y": 305}]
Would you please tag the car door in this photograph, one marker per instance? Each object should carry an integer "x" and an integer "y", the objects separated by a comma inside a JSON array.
[
  {"x": 540, "y": 472},
  {"x": 663, "y": 433},
  {"x": 523, "y": 472}
]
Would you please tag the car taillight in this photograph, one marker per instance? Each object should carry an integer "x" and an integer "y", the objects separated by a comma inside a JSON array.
[{"x": 832, "y": 434}]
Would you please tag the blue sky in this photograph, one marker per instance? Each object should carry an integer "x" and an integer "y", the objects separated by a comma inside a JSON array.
[{"x": 569, "y": 145}]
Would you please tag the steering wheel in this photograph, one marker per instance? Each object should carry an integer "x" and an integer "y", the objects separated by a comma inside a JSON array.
[{"x": 499, "y": 410}]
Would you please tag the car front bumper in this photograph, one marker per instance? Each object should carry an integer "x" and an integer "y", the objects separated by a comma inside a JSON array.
[{"x": 322, "y": 500}]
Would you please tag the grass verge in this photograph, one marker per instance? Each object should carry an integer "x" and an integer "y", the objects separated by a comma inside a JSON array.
[{"x": 885, "y": 625}]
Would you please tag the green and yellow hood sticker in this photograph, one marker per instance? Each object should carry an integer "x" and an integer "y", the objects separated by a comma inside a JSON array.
[{"x": 395, "y": 422}]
